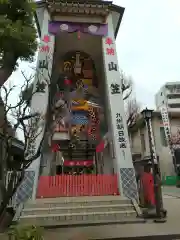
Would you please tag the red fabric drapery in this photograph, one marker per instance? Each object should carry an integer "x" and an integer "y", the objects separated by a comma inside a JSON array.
[{"x": 148, "y": 187}]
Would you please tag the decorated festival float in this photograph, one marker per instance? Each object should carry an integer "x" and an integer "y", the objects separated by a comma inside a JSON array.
[
  {"x": 86, "y": 150},
  {"x": 76, "y": 133}
]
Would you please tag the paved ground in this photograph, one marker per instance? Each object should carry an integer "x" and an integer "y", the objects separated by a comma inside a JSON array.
[{"x": 171, "y": 191}]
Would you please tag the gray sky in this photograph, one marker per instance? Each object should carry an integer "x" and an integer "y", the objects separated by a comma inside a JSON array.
[{"x": 147, "y": 46}]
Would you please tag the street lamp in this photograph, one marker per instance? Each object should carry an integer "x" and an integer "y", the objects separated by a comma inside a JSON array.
[{"x": 147, "y": 115}]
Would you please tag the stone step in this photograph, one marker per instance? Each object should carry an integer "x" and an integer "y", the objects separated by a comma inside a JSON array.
[
  {"x": 78, "y": 218},
  {"x": 79, "y": 199},
  {"x": 77, "y": 202},
  {"x": 67, "y": 211},
  {"x": 77, "y": 209}
]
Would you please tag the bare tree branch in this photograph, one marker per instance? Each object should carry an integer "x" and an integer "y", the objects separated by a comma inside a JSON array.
[
  {"x": 127, "y": 85},
  {"x": 132, "y": 111},
  {"x": 29, "y": 123},
  {"x": 175, "y": 138}
]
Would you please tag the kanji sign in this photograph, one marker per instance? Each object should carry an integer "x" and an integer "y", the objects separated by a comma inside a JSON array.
[
  {"x": 110, "y": 51},
  {"x": 43, "y": 64},
  {"x": 40, "y": 87},
  {"x": 86, "y": 163},
  {"x": 109, "y": 41},
  {"x": 112, "y": 66},
  {"x": 166, "y": 124},
  {"x": 118, "y": 120},
  {"x": 46, "y": 39},
  {"x": 121, "y": 133},
  {"x": 115, "y": 88},
  {"x": 120, "y": 126},
  {"x": 45, "y": 48},
  {"x": 120, "y": 130},
  {"x": 117, "y": 116}
]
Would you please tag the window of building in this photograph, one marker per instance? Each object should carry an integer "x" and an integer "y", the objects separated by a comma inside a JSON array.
[
  {"x": 143, "y": 144},
  {"x": 163, "y": 137},
  {"x": 174, "y": 105},
  {"x": 161, "y": 93},
  {"x": 173, "y": 96},
  {"x": 174, "y": 88}
]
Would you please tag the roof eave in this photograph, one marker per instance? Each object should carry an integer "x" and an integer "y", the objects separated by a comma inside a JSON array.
[
  {"x": 112, "y": 7},
  {"x": 37, "y": 24},
  {"x": 39, "y": 4},
  {"x": 119, "y": 10}
]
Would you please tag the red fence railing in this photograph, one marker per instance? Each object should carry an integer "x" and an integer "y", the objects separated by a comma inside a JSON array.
[{"x": 81, "y": 185}]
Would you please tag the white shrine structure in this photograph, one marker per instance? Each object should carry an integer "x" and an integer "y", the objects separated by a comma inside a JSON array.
[
  {"x": 78, "y": 56},
  {"x": 86, "y": 150}
]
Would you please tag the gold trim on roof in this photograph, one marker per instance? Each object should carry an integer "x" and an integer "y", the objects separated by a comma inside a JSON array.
[{"x": 77, "y": 8}]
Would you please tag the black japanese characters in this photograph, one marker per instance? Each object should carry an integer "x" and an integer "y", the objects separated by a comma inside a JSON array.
[
  {"x": 112, "y": 66},
  {"x": 115, "y": 88},
  {"x": 120, "y": 130}
]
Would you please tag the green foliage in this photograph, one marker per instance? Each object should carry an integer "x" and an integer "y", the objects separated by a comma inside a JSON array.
[
  {"x": 4, "y": 1},
  {"x": 25, "y": 233},
  {"x": 17, "y": 30}
]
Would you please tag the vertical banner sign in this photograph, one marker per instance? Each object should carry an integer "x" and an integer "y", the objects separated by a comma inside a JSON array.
[
  {"x": 152, "y": 142},
  {"x": 125, "y": 169},
  {"x": 40, "y": 97},
  {"x": 167, "y": 129}
]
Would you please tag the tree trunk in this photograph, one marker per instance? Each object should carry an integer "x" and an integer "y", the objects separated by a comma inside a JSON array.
[
  {"x": 7, "y": 213},
  {"x": 9, "y": 62},
  {"x": 11, "y": 189},
  {"x": 2, "y": 191}
]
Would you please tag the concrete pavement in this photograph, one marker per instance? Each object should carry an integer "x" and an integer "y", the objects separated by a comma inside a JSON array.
[{"x": 171, "y": 191}]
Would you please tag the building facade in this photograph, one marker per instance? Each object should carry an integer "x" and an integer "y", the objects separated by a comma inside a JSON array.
[
  {"x": 169, "y": 95},
  {"x": 140, "y": 142}
]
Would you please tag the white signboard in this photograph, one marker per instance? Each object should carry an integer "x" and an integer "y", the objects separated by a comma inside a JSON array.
[
  {"x": 121, "y": 143},
  {"x": 166, "y": 125},
  {"x": 39, "y": 101}
]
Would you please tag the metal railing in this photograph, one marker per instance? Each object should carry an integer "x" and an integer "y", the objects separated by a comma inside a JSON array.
[{"x": 80, "y": 185}]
